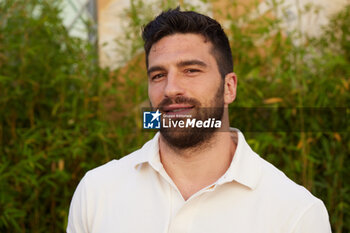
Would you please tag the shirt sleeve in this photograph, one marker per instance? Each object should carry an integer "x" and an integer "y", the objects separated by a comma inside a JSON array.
[
  {"x": 77, "y": 218},
  {"x": 315, "y": 219}
]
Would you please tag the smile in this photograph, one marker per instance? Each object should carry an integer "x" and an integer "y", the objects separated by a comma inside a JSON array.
[
  {"x": 179, "y": 110},
  {"x": 176, "y": 110}
]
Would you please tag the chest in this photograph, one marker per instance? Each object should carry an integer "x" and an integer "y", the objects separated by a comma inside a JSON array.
[{"x": 162, "y": 209}]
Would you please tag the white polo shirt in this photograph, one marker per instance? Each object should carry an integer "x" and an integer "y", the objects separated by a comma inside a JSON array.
[{"x": 136, "y": 195}]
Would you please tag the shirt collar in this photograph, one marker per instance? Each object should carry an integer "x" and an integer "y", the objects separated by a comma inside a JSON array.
[
  {"x": 245, "y": 167},
  {"x": 149, "y": 153}
]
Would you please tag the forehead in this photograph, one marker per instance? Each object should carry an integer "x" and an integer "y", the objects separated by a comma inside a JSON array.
[{"x": 179, "y": 47}]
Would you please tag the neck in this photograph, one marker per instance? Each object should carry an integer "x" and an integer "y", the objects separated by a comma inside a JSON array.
[{"x": 196, "y": 168}]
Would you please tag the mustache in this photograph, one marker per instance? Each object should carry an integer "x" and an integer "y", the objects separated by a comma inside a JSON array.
[{"x": 178, "y": 100}]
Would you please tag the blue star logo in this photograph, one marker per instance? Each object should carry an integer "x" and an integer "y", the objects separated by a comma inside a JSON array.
[{"x": 151, "y": 120}]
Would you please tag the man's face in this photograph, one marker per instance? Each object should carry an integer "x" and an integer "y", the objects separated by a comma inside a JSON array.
[{"x": 184, "y": 79}]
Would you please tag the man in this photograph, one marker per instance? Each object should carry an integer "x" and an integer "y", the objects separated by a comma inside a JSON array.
[{"x": 192, "y": 180}]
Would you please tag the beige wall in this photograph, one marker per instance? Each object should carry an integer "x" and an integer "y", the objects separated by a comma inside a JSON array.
[
  {"x": 109, "y": 28},
  {"x": 310, "y": 22},
  {"x": 110, "y": 19}
]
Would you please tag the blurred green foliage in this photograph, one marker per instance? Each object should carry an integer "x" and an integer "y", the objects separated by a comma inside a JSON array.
[{"x": 61, "y": 115}]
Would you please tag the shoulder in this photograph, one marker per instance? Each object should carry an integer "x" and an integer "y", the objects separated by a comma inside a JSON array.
[
  {"x": 117, "y": 174},
  {"x": 299, "y": 206},
  {"x": 98, "y": 189},
  {"x": 113, "y": 171},
  {"x": 281, "y": 188}
]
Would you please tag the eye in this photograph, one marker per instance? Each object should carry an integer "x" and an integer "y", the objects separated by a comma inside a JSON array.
[
  {"x": 192, "y": 71},
  {"x": 157, "y": 76}
]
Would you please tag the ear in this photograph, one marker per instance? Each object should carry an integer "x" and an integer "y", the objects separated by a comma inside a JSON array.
[{"x": 230, "y": 88}]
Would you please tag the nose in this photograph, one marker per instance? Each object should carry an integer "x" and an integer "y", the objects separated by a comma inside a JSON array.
[{"x": 174, "y": 85}]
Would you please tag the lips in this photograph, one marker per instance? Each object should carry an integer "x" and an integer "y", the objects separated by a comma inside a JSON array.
[
  {"x": 177, "y": 108},
  {"x": 179, "y": 105}
]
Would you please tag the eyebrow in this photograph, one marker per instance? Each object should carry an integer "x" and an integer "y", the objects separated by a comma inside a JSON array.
[
  {"x": 155, "y": 68},
  {"x": 179, "y": 64},
  {"x": 191, "y": 62}
]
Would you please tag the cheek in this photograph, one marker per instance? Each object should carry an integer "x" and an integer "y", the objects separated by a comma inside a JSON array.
[
  {"x": 154, "y": 95},
  {"x": 214, "y": 92}
]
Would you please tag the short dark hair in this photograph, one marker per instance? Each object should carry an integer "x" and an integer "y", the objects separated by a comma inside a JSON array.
[{"x": 176, "y": 21}]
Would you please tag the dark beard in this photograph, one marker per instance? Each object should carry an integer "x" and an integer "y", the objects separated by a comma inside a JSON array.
[{"x": 187, "y": 138}]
